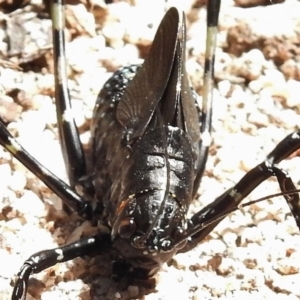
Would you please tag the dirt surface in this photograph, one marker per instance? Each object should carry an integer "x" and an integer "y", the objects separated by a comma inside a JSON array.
[{"x": 254, "y": 253}]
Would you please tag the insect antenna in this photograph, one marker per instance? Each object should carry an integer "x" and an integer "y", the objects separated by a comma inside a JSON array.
[{"x": 292, "y": 202}]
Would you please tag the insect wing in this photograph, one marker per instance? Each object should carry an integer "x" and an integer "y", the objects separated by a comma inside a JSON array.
[
  {"x": 178, "y": 99},
  {"x": 171, "y": 96},
  {"x": 143, "y": 94},
  {"x": 188, "y": 102}
]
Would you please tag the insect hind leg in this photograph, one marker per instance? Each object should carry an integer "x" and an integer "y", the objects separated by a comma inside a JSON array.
[
  {"x": 213, "y": 8},
  {"x": 69, "y": 137}
]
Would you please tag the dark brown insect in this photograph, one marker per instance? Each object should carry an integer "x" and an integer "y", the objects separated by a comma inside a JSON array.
[{"x": 148, "y": 157}]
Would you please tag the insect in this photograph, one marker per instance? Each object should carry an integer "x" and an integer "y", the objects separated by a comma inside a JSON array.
[{"x": 149, "y": 157}]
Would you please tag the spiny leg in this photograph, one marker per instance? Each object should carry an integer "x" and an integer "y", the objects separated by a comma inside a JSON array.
[
  {"x": 47, "y": 258},
  {"x": 69, "y": 137},
  {"x": 203, "y": 222},
  {"x": 213, "y": 8}
]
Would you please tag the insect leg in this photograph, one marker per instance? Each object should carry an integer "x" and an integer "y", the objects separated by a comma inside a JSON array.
[
  {"x": 213, "y": 8},
  {"x": 203, "y": 222},
  {"x": 59, "y": 187},
  {"x": 47, "y": 258},
  {"x": 69, "y": 137}
]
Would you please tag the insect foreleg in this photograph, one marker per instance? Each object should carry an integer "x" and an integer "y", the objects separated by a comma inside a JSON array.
[
  {"x": 203, "y": 222},
  {"x": 47, "y": 258}
]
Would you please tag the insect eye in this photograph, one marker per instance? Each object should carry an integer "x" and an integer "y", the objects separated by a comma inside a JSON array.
[
  {"x": 166, "y": 245},
  {"x": 127, "y": 228}
]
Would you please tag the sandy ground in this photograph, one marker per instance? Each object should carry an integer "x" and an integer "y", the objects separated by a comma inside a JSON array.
[{"x": 254, "y": 253}]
